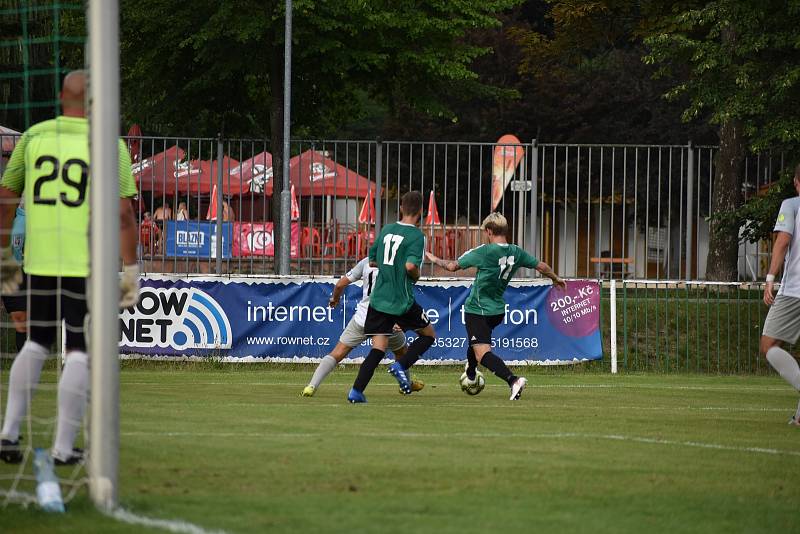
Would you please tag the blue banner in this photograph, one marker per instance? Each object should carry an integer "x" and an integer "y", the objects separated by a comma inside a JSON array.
[
  {"x": 290, "y": 320},
  {"x": 197, "y": 238}
]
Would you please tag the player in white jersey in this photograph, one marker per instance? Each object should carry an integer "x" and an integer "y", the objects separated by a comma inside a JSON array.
[
  {"x": 353, "y": 334},
  {"x": 782, "y": 324}
]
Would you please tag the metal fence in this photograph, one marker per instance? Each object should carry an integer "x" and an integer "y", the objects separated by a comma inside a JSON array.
[
  {"x": 590, "y": 210},
  {"x": 599, "y": 211},
  {"x": 678, "y": 326}
]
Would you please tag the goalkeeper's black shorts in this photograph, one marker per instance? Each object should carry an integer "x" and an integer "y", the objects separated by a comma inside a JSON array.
[{"x": 52, "y": 299}]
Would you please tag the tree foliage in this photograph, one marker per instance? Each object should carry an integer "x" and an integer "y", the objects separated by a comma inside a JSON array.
[
  {"x": 753, "y": 76},
  {"x": 210, "y": 65}
]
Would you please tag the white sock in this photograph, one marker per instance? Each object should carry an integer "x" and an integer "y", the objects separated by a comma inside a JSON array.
[
  {"x": 22, "y": 381},
  {"x": 786, "y": 365},
  {"x": 72, "y": 395},
  {"x": 324, "y": 368}
]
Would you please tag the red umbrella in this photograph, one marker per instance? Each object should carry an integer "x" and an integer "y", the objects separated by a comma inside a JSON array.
[
  {"x": 314, "y": 173},
  {"x": 153, "y": 172},
  {"x": 295, "y": 206},
  {"x": 211, "y": 214},
  {"x": 433, "y": 212},
  {"x": 254, "y": 172},
  {"x": 190, "y": 177},
  {"x": 367, "y": 213}
]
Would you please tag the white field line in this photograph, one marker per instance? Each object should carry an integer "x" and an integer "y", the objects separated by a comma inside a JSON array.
[
  {"x": 531, "y": 384},
  {"x": 170, "y": 525},
  {"x": 487, "y": 435},
  {"x": 120, "y": 514},
  {"x": 471, "y": 405}
]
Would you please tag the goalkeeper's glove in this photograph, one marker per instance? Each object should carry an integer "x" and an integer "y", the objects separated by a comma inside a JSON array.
[
  {"x": 10, "y": 272},
  {"x": 129, "y": 286}
]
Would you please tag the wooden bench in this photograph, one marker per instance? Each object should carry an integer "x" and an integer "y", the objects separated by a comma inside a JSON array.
[{"x": 609, "y": 264}]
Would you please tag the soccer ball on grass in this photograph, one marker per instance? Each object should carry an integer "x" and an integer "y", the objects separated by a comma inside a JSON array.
[{"x": 472, "y": 387}]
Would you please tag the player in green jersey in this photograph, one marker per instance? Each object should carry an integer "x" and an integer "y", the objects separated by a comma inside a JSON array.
[
  {"x": 397, "y": 253},
  {"x": 50, "y": 167},
  {"x": 496, "y": 261}
]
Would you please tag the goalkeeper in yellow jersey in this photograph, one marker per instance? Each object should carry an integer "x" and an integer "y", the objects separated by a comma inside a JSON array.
[{"x": 50, "y": 167}]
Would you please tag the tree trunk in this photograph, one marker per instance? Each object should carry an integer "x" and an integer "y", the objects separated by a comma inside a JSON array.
[
  {"x": 276, "y": 143},
  {"x": 723, "y": 246}
]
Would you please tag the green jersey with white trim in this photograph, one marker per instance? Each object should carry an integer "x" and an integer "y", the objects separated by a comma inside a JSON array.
[
  {"x": 496, "y": 264},
  {"x": 50, "y": 166},
  {"x": 397, "y": 244}
]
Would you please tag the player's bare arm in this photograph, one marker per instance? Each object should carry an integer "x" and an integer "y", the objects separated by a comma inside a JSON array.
[
  {"x": 779, "y": 249},
  {"x": 547, "y": 271},
  {"x": 338, "y": 289},
  {"x": 413, "y": 271},
  {"x": 451, "y": 266}
]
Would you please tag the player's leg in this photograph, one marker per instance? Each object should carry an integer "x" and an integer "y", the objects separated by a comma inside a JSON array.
[
  {"x": 73, "y": 387},
  {"x": 27, "y": 367},
  {"x": 783, "y": 325},
  {"x": 415, "y": 319},
  {"x": 379, "y": 326},
  {"x": 329, "y": 362},
  {"x": 472, "y": 363},
  {"x": 479, "y": 332},
  {"x": 397, "y": 344}
]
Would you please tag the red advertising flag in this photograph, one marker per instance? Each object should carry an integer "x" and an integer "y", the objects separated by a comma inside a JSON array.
[
  {"x": 433, "y": 212},
  {"x": 505, "y": 160}
]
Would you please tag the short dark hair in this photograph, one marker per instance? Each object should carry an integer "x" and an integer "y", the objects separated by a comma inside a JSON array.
[
  {"x": 411, "y": 203},
  {"x": 797, "y": 172}
]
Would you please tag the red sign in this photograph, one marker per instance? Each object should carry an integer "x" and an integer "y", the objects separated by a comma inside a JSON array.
[{"x": 256, "y": 239}]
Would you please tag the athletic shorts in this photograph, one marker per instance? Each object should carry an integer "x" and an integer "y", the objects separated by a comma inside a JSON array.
[
  {"x": 55, "y": 298},
  {"x": 353, "y": 336},
  {"x": 479, "y": 327},
  {"x": 17, "y": 301},
  {"x": 783, "y": 319},
  {"x": 379, "y": 323}
]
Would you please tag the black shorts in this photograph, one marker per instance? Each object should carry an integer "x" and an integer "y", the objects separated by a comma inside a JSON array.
[
  {"x": 55, "y": 298},
  {"x": 479, "y": 327},
  {"x": 17, "y": 301},
  {"x": 380, "y": 323}
]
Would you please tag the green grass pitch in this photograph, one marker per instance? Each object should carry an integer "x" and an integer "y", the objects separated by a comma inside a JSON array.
[{"x": 236, "y": 449}]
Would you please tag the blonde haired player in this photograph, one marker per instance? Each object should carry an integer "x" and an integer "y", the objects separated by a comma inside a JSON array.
[
  {"x": 496, "y": 261},
  {"x": 353, "y": 334}
]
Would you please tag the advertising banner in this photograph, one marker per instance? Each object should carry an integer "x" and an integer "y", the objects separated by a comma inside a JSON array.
[
  {"x": 256, "y": 239},
  {"x": 290, "y": 320},
  {"x": 196, "y": 239}
]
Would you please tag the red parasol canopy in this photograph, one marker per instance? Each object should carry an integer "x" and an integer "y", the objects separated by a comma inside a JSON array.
[
  {"x": 168, "y": 174},
  {"x": 313, "y": 173},
  {"x": 254, "y": 173}
]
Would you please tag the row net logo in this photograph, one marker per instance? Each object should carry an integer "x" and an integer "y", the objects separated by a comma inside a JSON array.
[{"x": 177, "y": 318}]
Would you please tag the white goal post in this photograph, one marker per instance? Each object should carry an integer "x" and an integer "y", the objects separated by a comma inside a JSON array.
[{"x": 103, "y": 26}]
